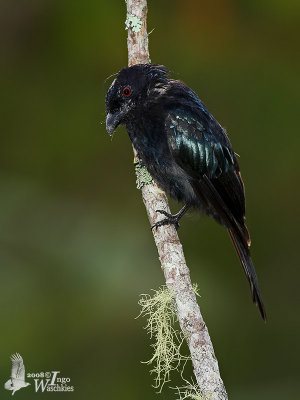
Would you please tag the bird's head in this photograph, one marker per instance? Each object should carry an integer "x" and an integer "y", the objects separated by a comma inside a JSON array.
[
  {"x": 130, "y": 91},
  {"x": 9, "y": 385}
]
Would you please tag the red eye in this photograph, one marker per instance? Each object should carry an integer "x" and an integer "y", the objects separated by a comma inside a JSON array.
[{"x": 126, "y": 91}]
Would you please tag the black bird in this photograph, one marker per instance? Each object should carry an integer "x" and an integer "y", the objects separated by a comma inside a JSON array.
[{"x": 185, "y": 149}]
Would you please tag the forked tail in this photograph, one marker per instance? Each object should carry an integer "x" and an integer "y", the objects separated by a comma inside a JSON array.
[{"x": 244, "y": 256}]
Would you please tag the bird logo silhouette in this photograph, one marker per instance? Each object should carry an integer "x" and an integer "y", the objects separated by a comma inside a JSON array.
[{"x": 17, "y": 379}]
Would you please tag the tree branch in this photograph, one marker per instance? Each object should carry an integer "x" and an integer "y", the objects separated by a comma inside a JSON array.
[{"x": 169, "y": 248}]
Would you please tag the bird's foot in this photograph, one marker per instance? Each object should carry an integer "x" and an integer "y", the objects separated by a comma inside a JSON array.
[{"x": 170, "y": 220}]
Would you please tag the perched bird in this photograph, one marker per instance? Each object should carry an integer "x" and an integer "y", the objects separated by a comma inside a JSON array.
[
  {"x": 17, "y": 380},
  {"x": 185, "y": 149}
]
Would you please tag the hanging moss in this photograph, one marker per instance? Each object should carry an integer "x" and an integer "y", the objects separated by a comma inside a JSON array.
[
  {"x": 189, "y": 392},
  {"x": 160, "y": 314},
  {"x": 167, "y": 340}
]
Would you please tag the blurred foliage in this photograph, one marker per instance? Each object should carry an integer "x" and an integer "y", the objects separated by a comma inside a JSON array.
[{"x": 75, "y": 244}]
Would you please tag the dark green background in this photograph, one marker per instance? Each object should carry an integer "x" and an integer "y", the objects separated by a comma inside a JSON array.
[{"x": 76, "y": 248}]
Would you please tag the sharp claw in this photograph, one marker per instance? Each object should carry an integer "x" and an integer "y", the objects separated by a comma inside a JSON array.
[
  {"x": 159, "y": 223},
  {"x": 171, "y": 219},
  {"x": 164, "y": 213},
  {"x": 166, "y": 221}
]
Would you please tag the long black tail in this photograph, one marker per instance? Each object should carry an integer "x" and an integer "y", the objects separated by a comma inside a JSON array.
[
  {"x": 243, "y": 252},
  {"x": 208, "y": 194}
]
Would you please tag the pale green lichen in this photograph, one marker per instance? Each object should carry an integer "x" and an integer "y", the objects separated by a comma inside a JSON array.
[
  {"x": 142, "y": 175},
  {"x": 196, "y": 289},
  {"x": 133, "y": 22},
  {"x": 189, "y": 392},
  {"x": 161, "y": 317}
]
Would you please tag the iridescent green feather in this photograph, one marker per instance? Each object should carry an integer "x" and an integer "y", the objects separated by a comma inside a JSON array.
[{"x": 202, "y": 150}]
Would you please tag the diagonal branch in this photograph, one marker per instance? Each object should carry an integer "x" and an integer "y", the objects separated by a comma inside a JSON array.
[{"x": 169, "y": 248}]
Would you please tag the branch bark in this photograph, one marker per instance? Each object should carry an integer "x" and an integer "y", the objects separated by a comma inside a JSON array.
[{"x": 169, "y": 248}]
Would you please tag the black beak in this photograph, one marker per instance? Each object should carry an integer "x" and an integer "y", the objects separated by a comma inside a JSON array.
[{"x": 112, "y": 121}]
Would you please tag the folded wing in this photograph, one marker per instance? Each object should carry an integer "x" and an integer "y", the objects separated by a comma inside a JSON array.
[{"x": 200, "y": 146}]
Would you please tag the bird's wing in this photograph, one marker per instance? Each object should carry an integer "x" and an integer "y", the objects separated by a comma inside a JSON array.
[
  {"x": 201, "y": 147},
  {"x": 193, "y": 143},
  {"x": 17, "y": 369}
]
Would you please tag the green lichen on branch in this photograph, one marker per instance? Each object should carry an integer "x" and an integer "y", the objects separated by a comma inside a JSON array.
[
  {"x": 196, "y": 289},
  {"x": 142, "y": 175},
  {"x": 133, "y": 22},
  {"x": 161, "y": 318}
]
